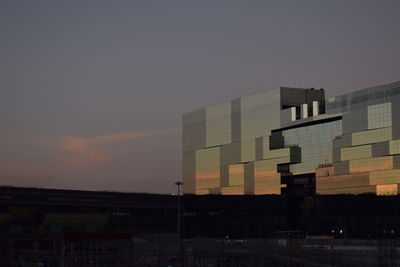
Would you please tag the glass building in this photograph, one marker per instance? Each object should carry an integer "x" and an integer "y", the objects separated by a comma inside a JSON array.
[{"x": 294, "y": 141}]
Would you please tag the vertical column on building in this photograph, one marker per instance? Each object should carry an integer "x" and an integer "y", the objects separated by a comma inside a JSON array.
[{"x": 315, "y": 107}]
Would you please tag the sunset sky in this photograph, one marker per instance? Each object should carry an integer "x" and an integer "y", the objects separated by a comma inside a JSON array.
[{"x": 92, "y": 91}]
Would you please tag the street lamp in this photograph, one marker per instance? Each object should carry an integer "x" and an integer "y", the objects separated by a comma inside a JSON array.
[{"x": 179, "y": 183}]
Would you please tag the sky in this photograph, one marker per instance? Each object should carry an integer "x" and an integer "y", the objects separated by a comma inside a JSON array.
[{"x": 92, "y": 92}]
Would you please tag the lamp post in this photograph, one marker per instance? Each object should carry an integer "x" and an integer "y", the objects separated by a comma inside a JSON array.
[{"x": 178, "y": 183}]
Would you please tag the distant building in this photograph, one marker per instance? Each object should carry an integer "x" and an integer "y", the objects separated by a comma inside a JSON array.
[{"x": 294, "y": 141}]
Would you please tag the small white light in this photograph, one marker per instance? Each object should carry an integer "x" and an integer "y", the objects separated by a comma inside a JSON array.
[{"x": 341, "y": 231}]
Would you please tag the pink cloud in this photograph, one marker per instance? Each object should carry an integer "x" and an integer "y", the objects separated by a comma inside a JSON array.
[{"x": 85, "y": 150}]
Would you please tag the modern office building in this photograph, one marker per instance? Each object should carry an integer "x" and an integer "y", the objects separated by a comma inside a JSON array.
[{"x": 294, "y": 141}]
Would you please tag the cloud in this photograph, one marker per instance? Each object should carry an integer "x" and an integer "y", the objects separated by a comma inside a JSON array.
[{"x": 85, "y": 150}]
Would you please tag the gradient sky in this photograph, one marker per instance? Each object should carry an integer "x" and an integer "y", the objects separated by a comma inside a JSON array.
[{"x": 92, "y": 92}]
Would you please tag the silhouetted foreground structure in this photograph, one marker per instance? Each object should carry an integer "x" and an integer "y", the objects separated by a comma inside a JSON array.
[
  {"x": 32, "y": 210},
  {"x": 82, "y": 228}
]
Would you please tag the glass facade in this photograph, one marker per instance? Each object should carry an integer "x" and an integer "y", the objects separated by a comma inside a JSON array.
[
  {"x": 218, "y": 125},
  {"x": 315, "y": 142},
  {"x": 366, "y": 159},
  {"x": 236, "y": 175},
  {"x": 207, "y": 168},
  {"x": 266, "y": 142}
]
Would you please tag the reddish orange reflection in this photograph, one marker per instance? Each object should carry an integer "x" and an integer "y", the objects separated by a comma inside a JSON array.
[
  {"x": 232, "y": 190},
  {"x": 207, "y": 175},
  {"x": 373, "y": 166}
]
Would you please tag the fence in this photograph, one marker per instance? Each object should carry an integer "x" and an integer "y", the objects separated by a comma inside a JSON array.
[{"x": 162, "y": 251}]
